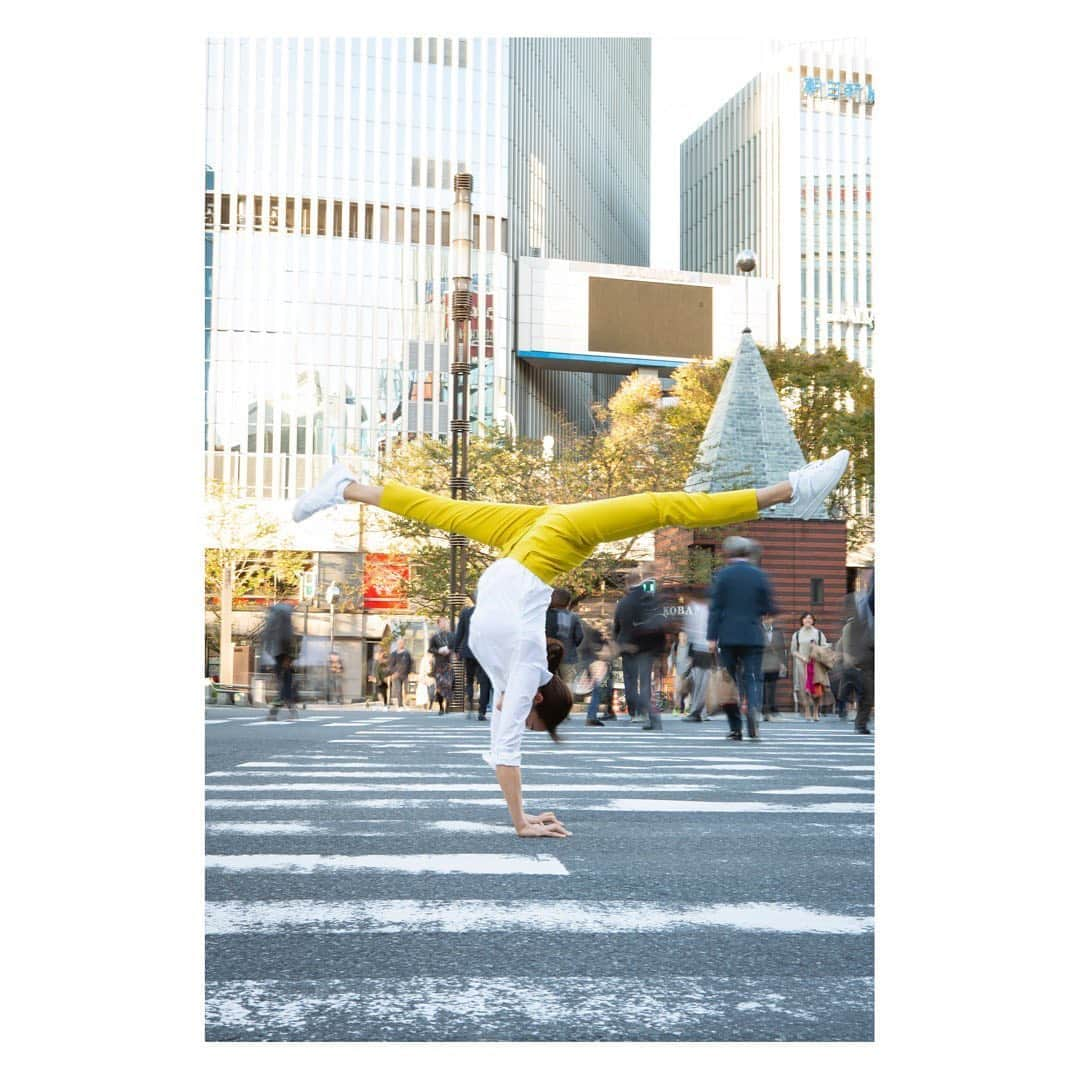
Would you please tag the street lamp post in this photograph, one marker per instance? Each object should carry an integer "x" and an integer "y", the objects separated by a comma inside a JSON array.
[
  {"x": 461, "y": 310},
  {"x": 746, "y": 263}
]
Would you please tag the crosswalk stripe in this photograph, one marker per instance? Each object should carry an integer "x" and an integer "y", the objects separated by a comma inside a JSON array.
[
  {"x": 568, "y": 916},
  {"x": 699, "y": 806},
  {"x": 467, "y": 863}
]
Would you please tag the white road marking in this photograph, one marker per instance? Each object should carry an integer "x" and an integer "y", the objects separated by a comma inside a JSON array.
[
  {"x": 567, "y": 916},
  {"x": 816, "y": 791},
  {"x": 260, "y": 828},
  {"x": 449, "y": 1007},
  {"x": 451, "y": 787},
  {"x": 695, "y": 806},
  {"x": 351, "y": 774},
  {"x": 405, "y": 864}
]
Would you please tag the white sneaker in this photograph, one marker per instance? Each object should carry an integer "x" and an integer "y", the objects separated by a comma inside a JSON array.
[
  {"x": 812, "y": 483},
  {"x": 326, "y": 493}
]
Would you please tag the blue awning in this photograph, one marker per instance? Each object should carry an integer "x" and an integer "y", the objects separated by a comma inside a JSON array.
[{"x": 604, "y": 363}]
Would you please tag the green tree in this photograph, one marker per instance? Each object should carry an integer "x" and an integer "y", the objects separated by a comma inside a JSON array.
[
  {"x": 501, "y": 469},
  {"x": 243, "y": 556},
  {"x": 828, "y": 399}
]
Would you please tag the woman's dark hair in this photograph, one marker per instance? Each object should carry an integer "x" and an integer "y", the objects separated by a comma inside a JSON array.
[
  {"x": 556, "y": 701},
  {"x": 811, "y": 614}
]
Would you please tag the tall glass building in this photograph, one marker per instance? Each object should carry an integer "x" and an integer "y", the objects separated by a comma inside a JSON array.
[
  {"x": 329, "y": 173},
  {"x": 784, "y": 167}
]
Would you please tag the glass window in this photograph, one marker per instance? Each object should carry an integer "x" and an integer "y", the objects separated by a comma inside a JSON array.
[
  {"x": 241, "y": 211},
  {"x": 208, "y": 211},
  {"x": 433, "y": 50},
  {"x": 399, "y": 225},
  {"x": 337, "y": 217},
  {"x": 322, "y": 217},
  {"x": 225, "y": 210},
  {"x": 416, "y": 172},
  {"x": 384, "y": 222},
  {"x": 274, "y": 210},
  {"x": 448, "y": 51},
  {"x": 258, "y": 212},
  {"x": 462, "y": 53},
  {"x": 290, "y": 213},
  {"x": 505, "y": 236},
  {"x": 305, "y": 217},
  {"x": 447, "y": 177},
  {"x": 354, "y": 220},
  {"x": 431, "y": 227},
  {"x": 369, "y": 221},
  {"x": 414, "y": 223},
  {"x": 418, "y": 49},
  {"x": 476, "y": 230},
  {"x": 430, "y": 173},
  {"x": 490, "y": 234},
  {"x": 445, "y": 224}
]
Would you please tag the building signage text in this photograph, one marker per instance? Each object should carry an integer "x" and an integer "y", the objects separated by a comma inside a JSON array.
[{"x": 837, "y": 91}]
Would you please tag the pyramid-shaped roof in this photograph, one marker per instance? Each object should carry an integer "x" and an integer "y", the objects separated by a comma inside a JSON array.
[{"x": 748, "y": 442}]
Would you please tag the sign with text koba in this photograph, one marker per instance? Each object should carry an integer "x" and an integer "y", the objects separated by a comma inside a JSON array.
[{"x": 649, "y": 318}]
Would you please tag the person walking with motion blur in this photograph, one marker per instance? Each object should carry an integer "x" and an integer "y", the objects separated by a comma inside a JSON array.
[
  {"x": 773, "y": 667},
  {"x": 441, "y": 647},
  {"x": 639, "y": 634},
  {"x": 810, "y": 678},
  {"x": 399, "y": 667},
  {"x": 741, "y": 595},
  {"x": 473, "y": 671},
  {"x": 538, "y": 545},
  {"x": 279, "y": 642}
]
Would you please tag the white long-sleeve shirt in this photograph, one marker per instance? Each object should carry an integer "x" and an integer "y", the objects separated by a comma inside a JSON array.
[{"x": 507, "y": 637}]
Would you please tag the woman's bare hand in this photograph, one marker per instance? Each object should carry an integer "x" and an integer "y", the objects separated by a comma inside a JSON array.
[
  {"x": 539, "y": 829},
  {"x": 546, "y": 818}
]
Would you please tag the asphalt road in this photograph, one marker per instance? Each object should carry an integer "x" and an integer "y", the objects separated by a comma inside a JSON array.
[{"x": 364, "y": 882}]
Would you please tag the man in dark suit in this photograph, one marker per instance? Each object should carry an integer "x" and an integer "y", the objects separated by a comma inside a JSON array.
[
  {"x": 639, "y": 636},
  {"x": 473, "y": 670},
  {"x": 741, "y": 595}
]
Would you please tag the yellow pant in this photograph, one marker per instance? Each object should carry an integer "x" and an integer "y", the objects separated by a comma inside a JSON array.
[{"x": 550, "y": 540}]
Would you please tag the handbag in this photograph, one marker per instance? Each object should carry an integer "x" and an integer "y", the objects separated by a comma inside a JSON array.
[
  {"x": 720, "y": 689},
  {"x": 582, "y": 683}
]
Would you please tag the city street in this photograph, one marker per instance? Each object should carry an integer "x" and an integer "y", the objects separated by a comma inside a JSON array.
[{"x": 364, "y": 882}]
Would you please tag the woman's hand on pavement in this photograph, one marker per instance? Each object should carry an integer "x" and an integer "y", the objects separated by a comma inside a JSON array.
[
  {"x": 546, "y": 818},
  {"x": 539, "y": 829}
]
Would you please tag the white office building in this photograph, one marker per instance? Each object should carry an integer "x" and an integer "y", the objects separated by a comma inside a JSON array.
[
  {"x": 329, "y": 175},
  {"x": 784, "y": 168}
]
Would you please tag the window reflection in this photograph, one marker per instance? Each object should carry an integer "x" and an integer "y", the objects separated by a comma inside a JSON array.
[
  {"x": 273, "y": 213},
  {"x": 305, "y": 217},
  {"x": 258, "y": 200},
  {"x": 241, "y": 211}
]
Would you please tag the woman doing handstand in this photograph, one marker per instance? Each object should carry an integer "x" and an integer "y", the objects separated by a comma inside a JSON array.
[{"x": 538, "y": 544}]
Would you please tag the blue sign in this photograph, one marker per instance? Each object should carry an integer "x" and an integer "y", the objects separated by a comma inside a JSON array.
[{"x": 837, "y": 91}]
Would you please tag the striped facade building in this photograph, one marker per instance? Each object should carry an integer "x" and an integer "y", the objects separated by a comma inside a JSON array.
[
  {"x": 784, "y": 168},
  {"x": 329, "y": 175}
]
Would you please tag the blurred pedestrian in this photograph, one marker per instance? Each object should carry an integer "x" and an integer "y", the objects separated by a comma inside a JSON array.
[
  {"x": 597, "y": 654},
  {"x": 680, "y": 664},
  {"x": 382, "y": 673},
  {"x": 473, "y": 671},
  {"x": 810, "y": 679},
  {"x": 399, "y": 667},
  {"x": 566, "y": 627},
  {"x": 741, "y": 594},
  {"x": 861, "y": 651},
  {"x": 702, "y": 659},
  {"x": 279, "y": 641},
  {"x": 441, "y": 647},
  {"x": 639, "y": 633},
  {"x": 337, "y": 675},
  {"x": 774, "y": 653}
]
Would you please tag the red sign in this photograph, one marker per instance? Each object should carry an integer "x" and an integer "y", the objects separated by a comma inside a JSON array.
[{"x": 385, "y": 580}]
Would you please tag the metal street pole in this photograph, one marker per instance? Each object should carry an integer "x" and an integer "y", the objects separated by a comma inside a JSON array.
[
  {"x": 461, "y": 310},
  {"x": 746, "y": 263}
]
